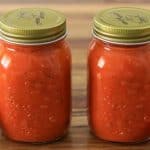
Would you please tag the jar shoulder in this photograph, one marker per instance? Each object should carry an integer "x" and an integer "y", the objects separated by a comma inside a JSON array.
[
  {"x": 95, "y": 51},
  {"x": 113, "y": 56},
  {"x": 17, "y": 57}
]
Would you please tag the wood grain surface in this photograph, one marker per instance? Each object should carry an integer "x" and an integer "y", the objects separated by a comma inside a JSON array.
[{"x": 79, "y": 15}]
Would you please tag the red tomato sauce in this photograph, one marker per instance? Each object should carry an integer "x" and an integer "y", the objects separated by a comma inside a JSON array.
[
  {"x": 35, "y": 91},
  {"x": 119, "y": 91}
]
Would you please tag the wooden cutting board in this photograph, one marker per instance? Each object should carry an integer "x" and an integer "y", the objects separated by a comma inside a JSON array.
[{"x": 79, "y": 14}]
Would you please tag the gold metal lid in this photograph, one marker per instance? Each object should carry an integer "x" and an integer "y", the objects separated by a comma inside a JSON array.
[
  {"x": 123, "y": 25},
  {"x": 32, "y": 25}
]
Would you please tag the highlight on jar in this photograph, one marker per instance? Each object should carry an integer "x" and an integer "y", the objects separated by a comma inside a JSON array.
[
  {"x": 119, "y": 75},
  {"x": 35, "y": 75}
]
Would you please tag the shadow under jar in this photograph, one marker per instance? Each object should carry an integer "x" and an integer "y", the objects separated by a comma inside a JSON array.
[
  {"x": 35, "y": 69},
  {"x": 119, "y": 75}
]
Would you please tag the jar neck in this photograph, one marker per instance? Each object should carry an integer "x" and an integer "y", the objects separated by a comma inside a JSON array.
[
  {"x": 34, "y": 44},
  {"x": 6, "y": 45},
  {"x": 121, "y": 44},
  {"x": 111, "y": 46}
]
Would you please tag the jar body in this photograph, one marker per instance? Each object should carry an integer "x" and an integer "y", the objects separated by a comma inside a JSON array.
[
  {"x": 119, "y": 91},
  {"x": 35, "y": 85}
]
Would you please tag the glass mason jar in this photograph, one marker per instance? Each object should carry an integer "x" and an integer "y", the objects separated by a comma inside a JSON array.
[
  {"x": 35, "y": 70},
  {"x": 119, "y": 75}
]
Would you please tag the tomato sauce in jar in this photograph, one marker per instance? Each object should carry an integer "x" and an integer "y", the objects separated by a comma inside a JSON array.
[
  {"x": 35, "y": 70},
  {"x": 119, "y": 75}
]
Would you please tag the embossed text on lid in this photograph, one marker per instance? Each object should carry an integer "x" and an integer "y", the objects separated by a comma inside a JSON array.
[
  {"x": 32, "y": 25},
  {"x": 124, "y": 24}
]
